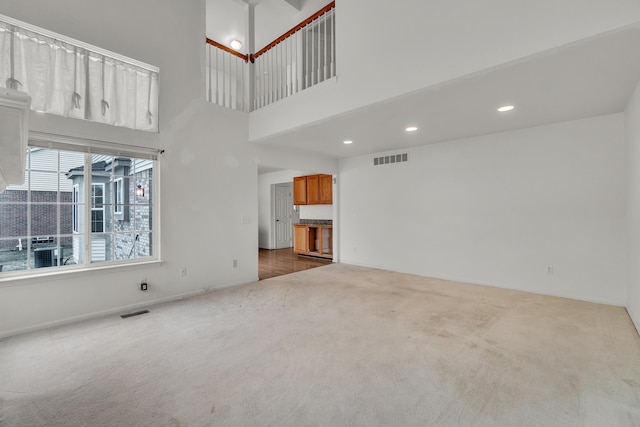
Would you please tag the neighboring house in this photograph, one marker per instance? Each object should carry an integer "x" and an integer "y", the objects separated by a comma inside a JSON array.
[
  {"x": 120, "y": 212},
  {"x": 15, "y": 214},
  {"x": 48, "y": 209}
]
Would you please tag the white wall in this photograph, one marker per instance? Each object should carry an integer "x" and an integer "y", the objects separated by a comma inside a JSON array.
[
  {"x": 385, "y": 50},
  {"x": 498, "y": 210},
  {"x": 208, "y": 171},
  {"x": 227, "y": 20},
  {"x": 633, "y": 199},
  {"x": 288, "y": 158}
]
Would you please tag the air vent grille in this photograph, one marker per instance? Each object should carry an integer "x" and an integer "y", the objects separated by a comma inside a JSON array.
[
  {"x": 390, "y": 159},
  {"x": 137, "y": 313}
]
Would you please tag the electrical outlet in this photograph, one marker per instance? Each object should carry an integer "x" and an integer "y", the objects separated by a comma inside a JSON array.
[
  {"x": 143, "y": 285},
  {"x": 235, "y": 263},
  {"x": 183, "y": 271},
  {"x": 550, "y": 269}
]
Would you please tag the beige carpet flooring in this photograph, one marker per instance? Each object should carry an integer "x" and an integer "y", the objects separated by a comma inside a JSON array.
[{"x": 333, "y": 346}]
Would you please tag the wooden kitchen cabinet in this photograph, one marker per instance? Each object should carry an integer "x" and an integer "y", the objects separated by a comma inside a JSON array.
[
  {"x": 300, "y": 239},
  {"x": 326, "y": 189},
  {"x": 313, "y": 240},
  {"x": 300, "y": 190},
  {"x": 313, "y": 190}
]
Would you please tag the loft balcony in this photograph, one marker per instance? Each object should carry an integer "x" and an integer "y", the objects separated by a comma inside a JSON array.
[{"x": 300, "y": 58}]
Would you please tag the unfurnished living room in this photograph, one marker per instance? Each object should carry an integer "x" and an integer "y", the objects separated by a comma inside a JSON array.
[{"x": 463, "y": 176}]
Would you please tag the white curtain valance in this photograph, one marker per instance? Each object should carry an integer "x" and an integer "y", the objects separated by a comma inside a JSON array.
[{"x": 73, "y": 79}]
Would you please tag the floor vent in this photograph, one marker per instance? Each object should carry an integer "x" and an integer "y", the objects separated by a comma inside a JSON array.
[
  {"x": 137, "y": 313},
  {"x": 393, "y": 158}
]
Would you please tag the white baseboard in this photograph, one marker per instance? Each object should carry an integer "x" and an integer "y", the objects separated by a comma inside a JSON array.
[
  {"x": 117, "y": 310},
  {"x": 501, "y": 286}
]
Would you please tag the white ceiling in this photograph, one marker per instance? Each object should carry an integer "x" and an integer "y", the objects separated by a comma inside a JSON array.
[{"x": 592, "y": 77}]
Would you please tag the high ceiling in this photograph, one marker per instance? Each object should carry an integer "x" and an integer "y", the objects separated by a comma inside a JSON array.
[{"x": 592, "y": 77}]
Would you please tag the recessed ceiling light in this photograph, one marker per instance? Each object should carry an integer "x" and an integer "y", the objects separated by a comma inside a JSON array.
[
  {"x": 347, "y": 141},
  {"x": 506, "y": 108},
  {"x": 236, "y": 44},
  {"x": 411, "y": 129}
]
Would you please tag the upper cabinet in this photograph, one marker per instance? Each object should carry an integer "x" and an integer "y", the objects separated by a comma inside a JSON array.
[
  {"x": 313, "y": 190},
  {"x": 326, "y": 189},
  {"x": 300, "y": 190}
]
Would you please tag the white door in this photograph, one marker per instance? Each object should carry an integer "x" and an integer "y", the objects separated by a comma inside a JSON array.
[{"x": 283, "y": 209}]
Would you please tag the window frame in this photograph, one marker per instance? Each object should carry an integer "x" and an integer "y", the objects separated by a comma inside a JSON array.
[{"x": 83, "y": 229}]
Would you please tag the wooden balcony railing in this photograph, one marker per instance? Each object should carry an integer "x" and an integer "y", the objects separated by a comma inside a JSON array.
[
  {"x": 227, "y": 76},
  {"x": 300, "y": 58}
]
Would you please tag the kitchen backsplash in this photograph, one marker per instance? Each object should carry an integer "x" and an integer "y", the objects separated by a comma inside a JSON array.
[{"x": 316, "y": 211}]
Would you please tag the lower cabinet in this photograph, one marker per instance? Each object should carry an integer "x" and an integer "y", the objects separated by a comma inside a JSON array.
[
  {"x": 300, "y": 239},
  {"x": 313, "y": 240}
]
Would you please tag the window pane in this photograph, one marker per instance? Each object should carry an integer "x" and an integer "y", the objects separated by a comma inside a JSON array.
[
  {"x": 13, "y": 196},
  {"x": 101, "y": 165},
  {"x": 43, "y": 159},
  {"x": 13, "y": 257},
  {"x": 70, "y": 160},
  {"x": 143, "y": 189},
  {"x": 144, "y": 218},
  {"x": 66, "y": 184},
  {"x": 42, "y": 183},
  {"x": 124, "y": 246},
  {"x": 77, "y": 252},
  {"x": 77, "y": 217},
  {"x": 144, "y": 245},
  {"x": 97, "y": 195},
  {"x": 109, "y": 218},
  {"x": 122, "y": 166},
  {"x": 68, "y": 255},
  {"x": 45, "y": 253},
  {"x": 97, "y": 221},
  {"x": 13, "y": 219},
  {"x": 101, "y": 247},
  {"x": 44, "y": 220}
]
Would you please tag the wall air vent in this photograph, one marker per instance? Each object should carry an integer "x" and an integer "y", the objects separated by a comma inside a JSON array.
[
  {"x": 392, "y": 158},
  {"x": 137, "y": 313}
]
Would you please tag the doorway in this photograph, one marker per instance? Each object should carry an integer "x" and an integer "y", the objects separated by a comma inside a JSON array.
[
  {"x": 276, "y": 218},
  {"x": 283, "y": 215}
]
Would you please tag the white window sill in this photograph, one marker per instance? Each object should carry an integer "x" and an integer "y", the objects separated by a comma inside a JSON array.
[{"x": 30, "y": 276}]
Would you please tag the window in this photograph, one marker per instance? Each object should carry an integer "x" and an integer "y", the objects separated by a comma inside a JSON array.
[
  {"x": 78, "y": 209},
  {"x": 70, "y": 78},
  {"x": 118, "y": 192},
  {"x": 75, "y": 201},
  {"x": 97, "y": 208}
]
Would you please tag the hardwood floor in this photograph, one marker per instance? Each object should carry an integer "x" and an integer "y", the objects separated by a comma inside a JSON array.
[{"x": 277, "y": 262}]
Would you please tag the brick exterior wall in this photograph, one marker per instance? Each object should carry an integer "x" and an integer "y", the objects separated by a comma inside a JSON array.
[
  {"x": 44, "y": 217},
  {"x": 140, "y": 221}
]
